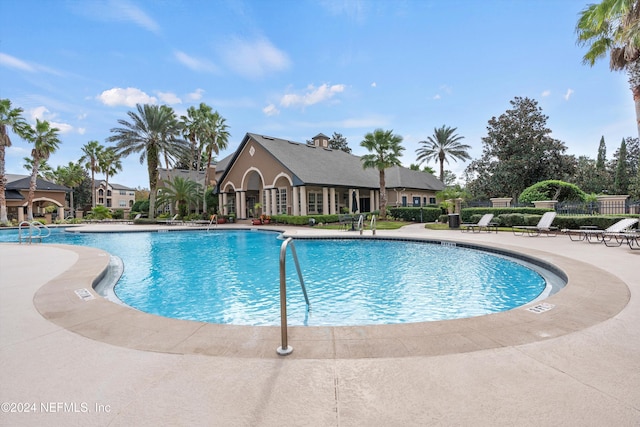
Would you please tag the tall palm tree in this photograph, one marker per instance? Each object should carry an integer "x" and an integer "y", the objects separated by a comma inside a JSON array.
[
  {"x": 442, "y": 146},
  {"x": 216, "y": 137},
  {"x": 92, "y": 151},
  {"x": 180, "y": 192},
  {"x": 192, "y": 132},
  {"x": 153, "y": 130},
  {"x": 45, "y": 171},
  {"x": 10, "y": 118},
  {"x": 70, "y": 176},
  {"x": 613, "y": 27},
  {"x": 45, "y": 142},
  {"x": 109, "y": 163},
  {"x": 386, "y": 151}
]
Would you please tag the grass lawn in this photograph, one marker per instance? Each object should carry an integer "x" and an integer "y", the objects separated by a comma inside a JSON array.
[{"x": 380, "y": 225}]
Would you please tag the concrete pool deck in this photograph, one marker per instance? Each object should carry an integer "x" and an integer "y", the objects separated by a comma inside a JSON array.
[{"x": 92, "y": 362}]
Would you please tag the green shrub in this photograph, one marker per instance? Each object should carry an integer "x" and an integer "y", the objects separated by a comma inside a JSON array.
[
  {"x": 552, "y": 190},
  {"x": 411, "y": 214},
  {"x": 467, "y": 214}
]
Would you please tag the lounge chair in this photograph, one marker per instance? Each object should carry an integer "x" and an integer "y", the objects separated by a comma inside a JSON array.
[
  {"x": 593, "y": 235},
  {"x": 543, "y": 227},
  {"x": 484, "y": 224},
  {"x": 171, "y": 221}
]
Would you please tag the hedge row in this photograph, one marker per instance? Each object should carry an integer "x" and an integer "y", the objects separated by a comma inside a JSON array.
[
  {"x": 561, "y": 221},
  {"x": 424, "y": 214}
]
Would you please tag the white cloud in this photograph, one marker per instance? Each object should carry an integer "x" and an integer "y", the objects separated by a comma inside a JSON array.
[
  {"x": 374, "y": 84},
  {"x": 271, "y": 110},
  {"x": 546, "y": 93},
  {"x": 128, "y": 97},
  {"x": 195, "y": 64},
  {"x": 196, "y": 95},
  {"x": 568, "y": 94},
  {"x": 115, "y": 11},
  {"x": 312, "y": 96},
  {"x": 255, "y": 58},
  {"x": 82, "y": 131},
  {"x": 127, "y": 11},
  {"x": 169, "y": 98},
  {"x": 437, "y": 96},
  {"x": 13, "y": 62},
  {"x": 42, "y": 113}
]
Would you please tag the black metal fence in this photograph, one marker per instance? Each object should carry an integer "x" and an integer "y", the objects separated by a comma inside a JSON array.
[{"x": 603, "y": 207}]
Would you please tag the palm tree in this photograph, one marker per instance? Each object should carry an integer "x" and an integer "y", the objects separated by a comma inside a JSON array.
[
  {"x": 45, "y": 140},
  {"x": 216, "y": 137},
  {"x": 70, "y": 176},
  {"x": 613, "y": 27},
  {"x": 386, "y": 150},
  {"x": 44, "y": 169},
  {"x": 181, "y": 192},
  {"x": 10, "y": 118},
  {"x": 442, "y": 146},
  {"x": 153, "y": 130},
  {"x": 109, "y": 163},
  {"x": 92, "y": 151}
]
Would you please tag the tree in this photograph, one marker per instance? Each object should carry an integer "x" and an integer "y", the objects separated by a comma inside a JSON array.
[
  {"x": 587, "y": 176},
  {"x": 517, "y": 153},
  {"x": 109, "y": 163},
  {"x": 70, "y": 176},
  {"x": 45, "y": 142},
  {"x": 180, "y": 192},
  {"x": 215, "y": 138},
  {"x": 10, "y": 118},
  {"x": 153, "y": 130},
  {"x": 621, "y": 180},
  {"x": 612, "y": 27},
  {"x": 92, "y": 151},
  {"x": 44, "y": 169},
  {"x": 427, "y": 169},
  {"x": 386, "y": 151},
  {"x": 339, "y": 142},
  {"x": 601, "y": 162},
  {"x": 442, "y": 146}
]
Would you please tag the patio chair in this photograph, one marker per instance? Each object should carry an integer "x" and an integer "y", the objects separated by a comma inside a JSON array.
[
  {"x": 483, "y": 224},
  {"x": 594, "y": 235},
  {"x": 543, "y": 227},
  {"x": 171, "y": 221}
]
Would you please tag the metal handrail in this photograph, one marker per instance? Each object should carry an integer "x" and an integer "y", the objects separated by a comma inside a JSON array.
[
  {"x": 360, "y": 223},
  {"x": 213, "y": 220},
  {"x": 373, "y": 224},
  {"x": 33, "y": 226},
  {"x": 285, "y": 348}
]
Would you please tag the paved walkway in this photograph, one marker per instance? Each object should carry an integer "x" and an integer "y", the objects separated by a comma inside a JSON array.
[{"x": 72, "y": 361}]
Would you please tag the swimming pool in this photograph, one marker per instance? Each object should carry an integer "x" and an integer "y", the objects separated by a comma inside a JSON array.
[{"x": 232, "y": 277}]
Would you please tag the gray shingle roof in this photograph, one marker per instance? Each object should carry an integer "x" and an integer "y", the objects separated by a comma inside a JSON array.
[
  {"x": 21, "y": 182},
  {"x": 321, "y": 166}
]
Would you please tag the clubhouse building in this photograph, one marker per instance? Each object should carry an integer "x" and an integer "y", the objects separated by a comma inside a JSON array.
[{"x": 272, "y": 176}]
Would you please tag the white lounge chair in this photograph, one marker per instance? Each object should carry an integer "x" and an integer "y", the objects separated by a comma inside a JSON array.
[
  {"x": 592, "y": 235},
  {"x": 483, "y": 224},
  {"x": 171, "y": 221},
  {"x": 543, "y": 227}
]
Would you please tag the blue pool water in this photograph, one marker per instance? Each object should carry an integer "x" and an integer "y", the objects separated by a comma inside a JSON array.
[{"x": 232, "y": 277}]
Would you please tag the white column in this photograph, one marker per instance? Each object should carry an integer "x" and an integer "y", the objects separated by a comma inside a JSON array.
[
  {"x": 224, "y": 204},
  {"x": 267, "y": 207},
  {"x": 237, "y": 203},
  {"x": 332, "y": 201},
  {"x": 325, "y": 200},
  {"x": 274, "y": 201},
  {"x": 296, "y": 200},
  {"x": 303, "y": 200},
  {"x": 372, "y": 200},
  {"x": 243, "y": 204}
]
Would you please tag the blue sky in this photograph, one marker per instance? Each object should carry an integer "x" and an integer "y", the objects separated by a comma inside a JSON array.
[{"x": 292, "y": 69}]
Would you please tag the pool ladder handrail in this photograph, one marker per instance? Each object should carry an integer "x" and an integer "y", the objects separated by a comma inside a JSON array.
[
  {"x": 285, "y": 348},
  {"x": 214, "y": 221},
  {"x": 361, "y": 224},
  {"x": 34, "y": 226}
]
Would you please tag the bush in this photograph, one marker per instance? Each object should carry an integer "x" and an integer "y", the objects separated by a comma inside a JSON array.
[
  {"x": 467, "y": 214},
  {"x": 141, "y": 206},
  {"x": 410, "y": 214},
  {"x": 552, "y": 190}
]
